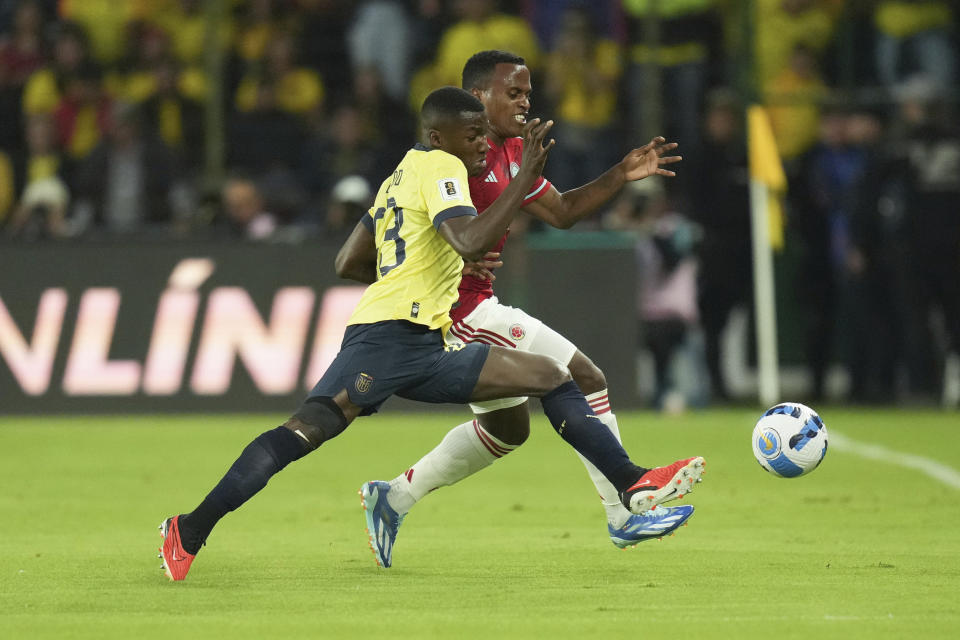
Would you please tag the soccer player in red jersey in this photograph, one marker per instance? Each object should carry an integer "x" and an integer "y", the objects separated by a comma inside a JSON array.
[{"x": 501, "y": 81}]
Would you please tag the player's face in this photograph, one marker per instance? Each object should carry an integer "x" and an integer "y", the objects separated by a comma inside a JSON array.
[
  {"x": 507, "y": 100},
  {"x": 467, "y": 139}
]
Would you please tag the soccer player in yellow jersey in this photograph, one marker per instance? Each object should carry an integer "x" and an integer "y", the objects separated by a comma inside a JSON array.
[{"x": 411, "y": 246}]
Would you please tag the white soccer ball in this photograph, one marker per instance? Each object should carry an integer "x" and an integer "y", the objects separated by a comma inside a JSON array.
[{"x": 789, "y": 440}]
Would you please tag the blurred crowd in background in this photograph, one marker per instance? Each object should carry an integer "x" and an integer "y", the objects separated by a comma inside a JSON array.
[{"x": 107, "y": 130}]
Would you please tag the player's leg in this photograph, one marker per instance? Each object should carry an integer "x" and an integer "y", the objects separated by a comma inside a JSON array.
[
  {"x": 513, "y": 327},
  {"x": 625, "y": 528},
  {"x": 498, "y": 427},
  {"x": 466, "y": 449},
  {"x": 326, "y": 412},
  {"x": 470, "y": 447},
  {"x": 593, "y": 383},
  {"x": 511, "y": 372},
  {"x": 318, "y": 419}
]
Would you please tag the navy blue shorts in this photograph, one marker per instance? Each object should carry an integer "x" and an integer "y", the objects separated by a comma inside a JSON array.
[{"x": 401, "y": 358}]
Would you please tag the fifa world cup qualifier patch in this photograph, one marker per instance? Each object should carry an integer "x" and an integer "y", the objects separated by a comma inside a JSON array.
[{"x": 450, "y": 189}]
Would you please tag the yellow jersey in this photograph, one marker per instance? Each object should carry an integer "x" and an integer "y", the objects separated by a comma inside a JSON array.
[{"x": 418, "y": 272}]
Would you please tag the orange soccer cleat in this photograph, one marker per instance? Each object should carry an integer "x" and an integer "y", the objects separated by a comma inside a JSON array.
[
  {"x": 176, "y": 561},
  {"x": 663, "y": 484}
]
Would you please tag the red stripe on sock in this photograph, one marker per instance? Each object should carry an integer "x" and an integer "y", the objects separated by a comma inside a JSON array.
[
  {"x": 599, "y": 404},
  {"x": 601, "y": 408},
  {"x": 491, "y": 446},
  {"x": 409, "y": 474}
]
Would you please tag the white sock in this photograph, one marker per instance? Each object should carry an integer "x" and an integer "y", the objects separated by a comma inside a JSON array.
[
  {"x": 466, "y": 449},
  {"x": 617, "y": 514}
]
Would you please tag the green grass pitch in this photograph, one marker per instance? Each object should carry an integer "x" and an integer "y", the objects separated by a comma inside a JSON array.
[{"x": 861, "y": 548}]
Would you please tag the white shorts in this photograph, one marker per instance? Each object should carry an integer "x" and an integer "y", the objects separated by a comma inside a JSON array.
[{"x": 497, "y": 324}]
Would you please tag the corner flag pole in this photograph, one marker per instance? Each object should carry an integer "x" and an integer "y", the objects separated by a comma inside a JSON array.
[{"x": 766, "y": 181}]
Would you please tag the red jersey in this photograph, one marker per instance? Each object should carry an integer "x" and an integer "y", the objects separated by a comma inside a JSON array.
[{"x": 503, "y": 163}]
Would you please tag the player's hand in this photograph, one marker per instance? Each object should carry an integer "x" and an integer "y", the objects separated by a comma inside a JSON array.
[
  {"x": 483, "y": 269},
  {"x": 649, "y": 159},
  {"x": 535, "y": 152}
]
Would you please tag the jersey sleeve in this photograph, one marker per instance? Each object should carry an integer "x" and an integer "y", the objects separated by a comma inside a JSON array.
[
  {"x": 369, "y": 222},
  {"x": 445, "y": 188},
  {"x": 540, "y": 188}
]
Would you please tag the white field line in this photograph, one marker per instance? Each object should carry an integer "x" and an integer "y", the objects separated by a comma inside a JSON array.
[{"x": 936, "y": 470}]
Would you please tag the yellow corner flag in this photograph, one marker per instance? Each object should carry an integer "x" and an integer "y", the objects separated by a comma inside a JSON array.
[{"x": 766, "y": 168}]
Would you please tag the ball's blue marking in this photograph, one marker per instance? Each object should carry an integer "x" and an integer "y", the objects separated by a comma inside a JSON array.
[
  {"x": 785, "y": 409},
  {"x": 807, "y": 433},
  {"x": 784, "y": 466}
]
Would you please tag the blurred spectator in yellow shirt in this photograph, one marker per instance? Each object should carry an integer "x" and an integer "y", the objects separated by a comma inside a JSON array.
[
  {"x": 917, "y": 30},
  {"x": 185, "y": 23},
  {"x": 793, "y": 97},
  {"x": 480, "y": 25},
  {"x": 173, "y": 115},
  {"x": 105, "y": 23},
  {"x": 41, "y": 180},
  {"x": 297, "y": 89},
  {"x": 83, "y": 112},
  {"x": 690, "y": 33},
  {"x": 258, "y": 25},
  {"x": 783, "y": 24},
  {"x": 581, "y": 75},
  {"x": 135, "y": 78},
  {"x": 70, "y": 51}
]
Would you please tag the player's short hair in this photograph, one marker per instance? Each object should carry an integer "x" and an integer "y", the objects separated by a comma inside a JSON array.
[
  {"x": 448, "y": 103},
  {"x": 480, "y": 66}
]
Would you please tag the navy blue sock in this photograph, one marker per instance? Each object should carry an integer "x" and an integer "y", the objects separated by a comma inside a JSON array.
[
  {"x": 574, "y": 420},
  {"x": 269, "y": 452}
]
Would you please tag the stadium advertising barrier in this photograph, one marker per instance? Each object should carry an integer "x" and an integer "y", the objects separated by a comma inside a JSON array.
[{"x": 215, "y": 327}]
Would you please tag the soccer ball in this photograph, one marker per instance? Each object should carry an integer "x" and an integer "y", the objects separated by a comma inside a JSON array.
[{"x": 789, "y": 440}]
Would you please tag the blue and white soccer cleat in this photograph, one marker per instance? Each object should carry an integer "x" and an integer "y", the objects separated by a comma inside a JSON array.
[
  {"x": 382, "y": 521},
  {"x": 655, "y": 523}
]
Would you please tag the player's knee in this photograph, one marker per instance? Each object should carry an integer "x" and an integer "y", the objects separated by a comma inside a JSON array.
[
  {"x": 590, "y": 379},
  {"x": 557, "y": 374},
  {"x": 511, "y": 425},
  {"x": 587, "y": 375},
  {"x": 513, "y": 434},
  {"x": 317, "y": 420}
]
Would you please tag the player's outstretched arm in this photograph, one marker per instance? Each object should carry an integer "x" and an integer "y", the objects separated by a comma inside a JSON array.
[
  {"x": 473, "y": 236},
  {"x": 357, "y": 258},
  {"x": 563, "y": 210}
]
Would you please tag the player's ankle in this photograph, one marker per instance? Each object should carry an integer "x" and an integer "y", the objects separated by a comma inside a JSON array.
[
  {"x": 400, "y": 497},
  {"x": 617, "y": 514},
  {"x": 190, "y": 539}
]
